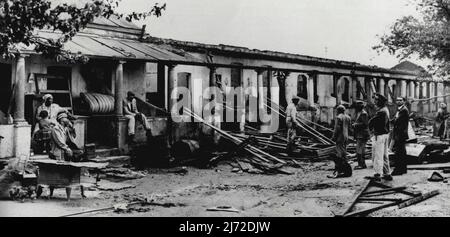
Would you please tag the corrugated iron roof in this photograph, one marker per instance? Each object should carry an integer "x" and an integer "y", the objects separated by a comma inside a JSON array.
[{"x": 106, "y": 47}]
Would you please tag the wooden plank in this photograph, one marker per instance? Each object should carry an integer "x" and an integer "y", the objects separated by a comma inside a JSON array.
[
  {"x": 92, "y": 165},
  {"x": 370, "y": 210},
  {"x": 359, "y": 193},
  {"x": 384, "y": 190},
  {"x": 429, "y": 166},
  {"x": 364, "y": 199},
  {"x": 418, "y": 199}
]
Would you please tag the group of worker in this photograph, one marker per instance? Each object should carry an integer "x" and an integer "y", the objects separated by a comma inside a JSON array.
[
  {"x": 376, "y": 128},
  {"x": 55, "y": 132}
]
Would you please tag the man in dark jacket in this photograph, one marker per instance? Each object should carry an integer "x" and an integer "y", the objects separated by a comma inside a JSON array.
[
  {"x": 340, "y": 136},
  {"x": 379, "y": 126},
  {"x": 361, "y": 134},
  {"x": 400, "y": 136}
]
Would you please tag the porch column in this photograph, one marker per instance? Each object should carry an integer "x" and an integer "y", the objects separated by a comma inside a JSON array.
[
  {"x": 403, "y": 88},
  {"x": 119, "y": 92},
  {"x": 369, "y": 91},
  {"x": 381, "y": 86},
  {"x": 260, "y": 88},
  {"x": 444, "y": 92},
  {"x": 411, "y": 90},
  {"x": 19, "y": 113},
  {"x": 121, "y": 122},
  {"x": 417, "y": 90},
  {"x": 172, "y": 84},
  {"x": 310, "y": 85},
  {"x": 354, "y": 88},
  {"x": 212, "y": 76},
  {"x": 22, "y": 130},
  {"x": 386, "y": 89}
]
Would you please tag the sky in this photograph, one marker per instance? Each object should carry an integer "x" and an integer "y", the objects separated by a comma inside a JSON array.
[{"x": 337, "y": 29}]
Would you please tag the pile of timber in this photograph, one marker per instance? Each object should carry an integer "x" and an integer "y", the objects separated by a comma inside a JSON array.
[
  {"x": 258, "y": 158},
  {"x": 276, "y": 144}
]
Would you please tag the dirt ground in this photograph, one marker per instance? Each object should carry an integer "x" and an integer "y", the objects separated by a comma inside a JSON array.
[{"x": 307, "y": 193}]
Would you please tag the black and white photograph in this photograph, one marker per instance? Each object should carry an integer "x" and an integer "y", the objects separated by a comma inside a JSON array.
[{"x": 224, "y": 108}]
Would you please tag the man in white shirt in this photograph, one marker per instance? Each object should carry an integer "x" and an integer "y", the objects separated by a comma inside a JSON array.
[
  {"x": 131, "y": 112},
  {"x": 292, "y": 123}
]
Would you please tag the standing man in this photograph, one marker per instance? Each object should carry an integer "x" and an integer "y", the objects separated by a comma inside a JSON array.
[
  {"x": 340, "y": 136},
  {"x": 292, "y": 123},
  {"x": 400, "y": 136},
  {"x": 379, "y": 126},
  {"x": 361, "y": 134},
  {"x": 131, "y": 112},
  {"x": 440, "y": 124}
]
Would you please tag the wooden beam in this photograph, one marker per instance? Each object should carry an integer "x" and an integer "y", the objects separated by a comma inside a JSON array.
[{"x": 418, "y": 199}]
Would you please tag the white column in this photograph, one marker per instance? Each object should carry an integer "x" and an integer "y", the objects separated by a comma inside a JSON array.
[
  {"x": 310, "y": 86},
  {"x": 119, "y": 92},
  {"x": 22, "y": 130}
]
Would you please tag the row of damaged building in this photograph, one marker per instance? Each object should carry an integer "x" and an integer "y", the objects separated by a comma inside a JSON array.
[{"x": 124, "y": 58}]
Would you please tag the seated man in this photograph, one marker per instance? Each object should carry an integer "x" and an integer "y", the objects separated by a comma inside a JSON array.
[
  {"x": 131, "y": 112},
  {"x": 63, "y": 147}
]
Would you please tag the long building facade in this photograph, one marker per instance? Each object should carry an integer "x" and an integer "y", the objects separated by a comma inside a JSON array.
[{"x": 123, "y": 58}]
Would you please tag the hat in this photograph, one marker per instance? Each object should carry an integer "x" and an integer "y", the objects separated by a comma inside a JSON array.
[
  {"x": 381, "y": 97},
  {"x": 295, "y": 97},
  {"x": 46, "y": 96},
  {"x": 340, "y": 109},
  {"x": 129, "y": 93},
  {"x": 360, "y": 102},
  {"x": 61, "y": 116}
]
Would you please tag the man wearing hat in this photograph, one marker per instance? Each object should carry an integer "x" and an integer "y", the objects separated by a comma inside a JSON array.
[
  {"x": 340, "y": 137},
  {"x": 361, "y": 133},
  {"x": 292, "y": 123},
  {"x": 379, "y": 126},
  {"x": 59, "y": 148},
  {"x": 130, "y": 111},
  {"x": 400, "y": 136}
]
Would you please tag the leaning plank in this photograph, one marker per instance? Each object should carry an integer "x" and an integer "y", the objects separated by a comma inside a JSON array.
[
  {"x": 418, "y": 199},
  {"x": 365, "y": 186},
  {"x": 370, "y": 210}
]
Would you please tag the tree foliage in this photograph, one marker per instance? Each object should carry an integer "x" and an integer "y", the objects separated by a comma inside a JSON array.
[
  {"x": 20, "y": 20},
  {"x": 426, "y": 35}
]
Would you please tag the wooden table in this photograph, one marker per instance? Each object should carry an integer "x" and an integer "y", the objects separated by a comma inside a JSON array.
[{"x": 62, "y": 175}]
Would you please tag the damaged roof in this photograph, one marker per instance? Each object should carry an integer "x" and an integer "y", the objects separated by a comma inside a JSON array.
[
  {"x": 97, "y": 46},
  {"x": 237, "y": 51}
]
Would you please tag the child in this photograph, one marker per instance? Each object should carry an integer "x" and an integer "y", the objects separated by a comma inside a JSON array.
[
  {"x": 45, "y": 123},
  {"x": 44, "y": 134}
]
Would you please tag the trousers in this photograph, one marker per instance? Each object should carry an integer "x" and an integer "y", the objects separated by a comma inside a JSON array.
[
  {"x": 380, "y": 155},
  {"x": 132, "y": 122}
]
